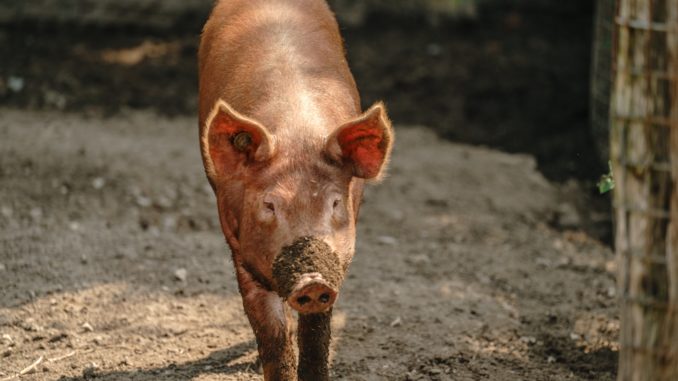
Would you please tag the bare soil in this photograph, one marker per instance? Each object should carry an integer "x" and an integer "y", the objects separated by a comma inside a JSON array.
[
  {"x": 113, "y": 267},
  {"x": 471, "y": 264}
]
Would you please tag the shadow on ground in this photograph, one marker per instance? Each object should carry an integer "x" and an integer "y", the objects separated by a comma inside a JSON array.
[{"x": 219, "y": 362}]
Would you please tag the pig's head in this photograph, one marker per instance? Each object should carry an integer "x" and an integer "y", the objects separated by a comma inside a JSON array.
[{"x": 288, "y": 201}]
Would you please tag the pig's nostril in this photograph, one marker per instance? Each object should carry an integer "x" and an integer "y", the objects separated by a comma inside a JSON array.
[
  {"x": 303, "y": 300},
  {"x": 324, "y": 298}
]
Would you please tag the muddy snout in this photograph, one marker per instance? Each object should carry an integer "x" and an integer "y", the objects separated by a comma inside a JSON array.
[{"x": 307, "y": 274}]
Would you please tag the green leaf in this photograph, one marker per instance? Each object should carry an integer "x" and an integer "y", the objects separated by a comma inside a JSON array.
[{"x": 606, "y": 182}]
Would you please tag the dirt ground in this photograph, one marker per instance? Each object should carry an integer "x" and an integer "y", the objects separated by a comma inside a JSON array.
[{"x": 470, "y": 265}]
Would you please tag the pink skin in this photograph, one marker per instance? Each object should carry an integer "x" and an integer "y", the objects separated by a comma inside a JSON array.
[
  {"x": 301, "y": 169},
  {"x": 312, "y": 294}
]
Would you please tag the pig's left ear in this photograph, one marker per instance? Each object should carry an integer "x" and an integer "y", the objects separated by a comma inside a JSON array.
[{"x": 364, "y": 143}]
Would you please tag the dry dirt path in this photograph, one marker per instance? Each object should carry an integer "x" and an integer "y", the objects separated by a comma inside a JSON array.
[{"x": 458, "y": 275}]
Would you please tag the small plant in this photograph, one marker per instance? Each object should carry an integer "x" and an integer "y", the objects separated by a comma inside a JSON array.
[{"x": 606, "y": 182}]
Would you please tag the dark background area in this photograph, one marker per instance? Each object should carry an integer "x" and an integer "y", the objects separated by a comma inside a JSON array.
[
  {"x": 515, "y": 76},
  {"x": 509, "y": 75}
]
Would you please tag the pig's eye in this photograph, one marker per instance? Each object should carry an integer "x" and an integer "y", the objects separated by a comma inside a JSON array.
[
  {"x": 338, "y": 211},
  {"x": 266, "y": 212}
]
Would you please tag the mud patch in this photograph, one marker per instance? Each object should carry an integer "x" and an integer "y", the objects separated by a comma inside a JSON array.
[{"x": 306, "y": 255}]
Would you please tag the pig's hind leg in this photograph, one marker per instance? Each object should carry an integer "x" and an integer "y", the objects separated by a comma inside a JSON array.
[
  {"x": 314, "y": 335},
  {"x": 266, "y": 313}
]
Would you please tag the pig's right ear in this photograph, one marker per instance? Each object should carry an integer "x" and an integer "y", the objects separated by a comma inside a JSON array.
[{"x": 230, "y": 139}]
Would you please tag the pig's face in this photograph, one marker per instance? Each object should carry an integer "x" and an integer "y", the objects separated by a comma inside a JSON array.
[
  {"x": 313, "y": 201},
  {"x": 280, "y": 203}
]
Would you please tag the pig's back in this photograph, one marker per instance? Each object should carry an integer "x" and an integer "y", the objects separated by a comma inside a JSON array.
[{"x": 272, "y": 59}]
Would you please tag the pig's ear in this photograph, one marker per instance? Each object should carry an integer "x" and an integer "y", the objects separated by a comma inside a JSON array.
[
  {"x": 363, "y": 143},
  {"x": 230, "y": 139}
]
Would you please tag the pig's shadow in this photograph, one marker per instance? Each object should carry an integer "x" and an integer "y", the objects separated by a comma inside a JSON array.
[{"x": 215, "y": 363}]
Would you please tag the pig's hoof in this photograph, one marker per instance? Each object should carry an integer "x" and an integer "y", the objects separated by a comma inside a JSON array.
[{"x": 312, "y": 296}]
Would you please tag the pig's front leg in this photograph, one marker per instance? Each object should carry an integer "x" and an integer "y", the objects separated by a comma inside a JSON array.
[
  {"x": 314, "y": 334},
  {"x": 265, "y": 312}
]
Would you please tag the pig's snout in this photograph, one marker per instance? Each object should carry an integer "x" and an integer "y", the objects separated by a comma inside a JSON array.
[
  {"x": 307, "y": 274},
  {"x": 312, "y": 294}
]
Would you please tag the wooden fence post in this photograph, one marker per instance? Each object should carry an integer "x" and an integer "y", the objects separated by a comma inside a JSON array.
[{"x": 644, "y": 153}]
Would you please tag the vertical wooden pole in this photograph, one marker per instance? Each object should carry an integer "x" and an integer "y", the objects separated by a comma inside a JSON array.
[
  {"x": 642, "y": 145},
  {"x": 671, "y": 363}
]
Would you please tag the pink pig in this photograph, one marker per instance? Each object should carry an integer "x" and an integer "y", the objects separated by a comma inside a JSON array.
[{"x": 287, "y": 151}]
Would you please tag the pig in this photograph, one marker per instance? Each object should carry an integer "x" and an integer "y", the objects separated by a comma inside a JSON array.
[{"x": 287, "y": 151}]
